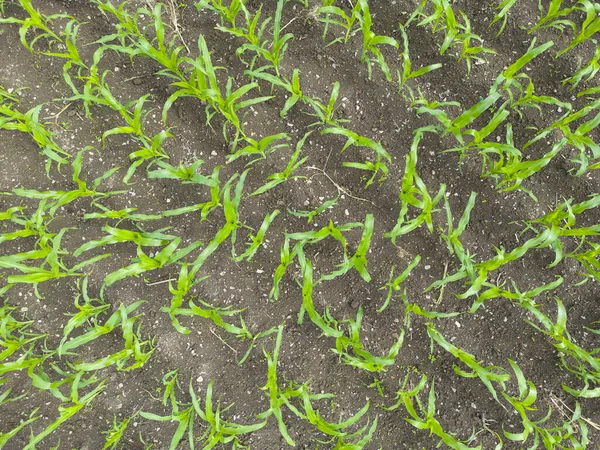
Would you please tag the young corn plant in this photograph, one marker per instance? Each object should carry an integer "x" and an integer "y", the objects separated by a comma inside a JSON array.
[
  {"x": 39, "y": 24},
  {"x": 510, "y": 76},
  {"x": 310, "y": 215},
  {"x": 414, "y": 193},
  {"x": 15, "y": 339},
  {"x": 407, "y": 73},
  {"x": 371, "y": 42},
  {"x": 134, "y": 346},
  {"x": 192, "y": 77},
  {"x": 187, "y": 175},
  {"x": 183, "y": 417},
  {"x": 75, "y": 403},
  {"x": 277, "y": 396},
  {"x": 487, "y": 375},
  {"x": 257, "y": 241},
  {"x": 294, "y": 164},
  {"x": 325, "y": 112},
  {"x": 119, "y": 235},
  {"x": 227, "y": 13},
  {"x": 411, "y": 308},
  {"x": 339, "y": 431},
  {"x": 219, "y": 430},
  {"x": 12, "y": 119},
  {"x": 394, "y": 284},
  {"x": 6, "y": 436},
  {"x": 443, "y": 19},
  {"x": 579, "y": 138},
  {"x": 115, "y": 433},
  {"x": 334, "y": 15},
  {"x": 272, "y": 51},
  {"x": 362, "y": 141},
  {"x": 260, "y": 148},
  {"x": 423, "y": 417},
  {"x": 58, "y": 199},
  {"x": 144, "y": 263},
  {"x": 584, "y": 73},
  {"x": 558, "y": 16},
  {"x": 503, "y": 10},
  {"x": 549, "y": 436},
  {"x": 293, "y": 87},
  {"x": 574, "y": 358},
  {"x": 361, "y": 358},
  {"x": 232, "y": 222}
]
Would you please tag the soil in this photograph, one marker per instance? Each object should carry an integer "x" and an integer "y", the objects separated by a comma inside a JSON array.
[{"x": 496, "y": 332}]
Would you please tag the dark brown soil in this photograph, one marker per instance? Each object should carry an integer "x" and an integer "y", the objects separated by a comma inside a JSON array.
[{"x": 497, "y": 331}]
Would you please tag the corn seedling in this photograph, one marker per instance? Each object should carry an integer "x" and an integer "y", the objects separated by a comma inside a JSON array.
[
  {"x": 363, "y": 359},
  {"x": 5, "y": 437},
  {"x": 293, "y": 87},
  {"x": 325, "y": 112},
  {"x": 58, "y": 199},
  {"x": 134, "y": 347},
  {"x": 510, "y": 76},
  {"x": 487, "y": 375},
  {"x": 357, "y": 261},
  {"x": 372, "y": 41},
  {"x": 193, "y": 77},
  {"x": 119, "y": 235},
  {"x": 51, "y": 268},
  {"x": 580, "y": 137},
  {"x": 280, "y": 177},
  {"x": 256, "y": 241},
  {"x": 414, "y": 193},
  {"x": 219, "y": 431},
  {"x": 515, "y": 294},
  {"x": 423, "y": 417},
  {"x": 333, "y": 15},
  {"x": 310, "y": 215},
  {"x": 324, "y": 322},
  {"x": 232, "y": 222},
  {"x": 407, "y": 72},
  {"x": 36, "y": 22},
  {"x": 585, "y": 73},
  {"x": 259, "y": 148},
  {"x": 558, "y": 18},
  {"x": 456, "y": 34},
  {"x": 574, "y": 358},
  {"x": 184, "y": 283},
  {"x": 12, "y": 119},
  {"x": 271, "y": 51},
  {"x": 227, "y": 13},
  {"x": 187, "y": 175},
  {"x": 115, "y": 433},
  {"x": 183, "y": 417},
  {"x": 411, "y": 308},
  {"x": 68, "y": 409},
  {"x": 277, "y": 397},
  {"x": 357, "y": 140},
  {"x": 338, "y": 431},
  {"x": 88, "y": 313},
  {"x": 394, "y": 284},
  {"x": 66, "y": 347},
  {"x": 144, "y": 263},
  {"x": 510, "y": 173},
  {"x": 503, "y": 9},
  {"x": 549, "y": 436}
]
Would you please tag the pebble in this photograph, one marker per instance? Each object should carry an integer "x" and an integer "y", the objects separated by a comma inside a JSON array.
[{"x": 213, "y": 153}]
